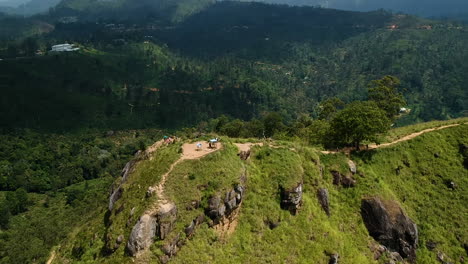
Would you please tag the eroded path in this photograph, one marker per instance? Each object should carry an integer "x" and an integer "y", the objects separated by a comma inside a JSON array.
[
  {"x": 189, "y": 152},
  {"x": 405, "y": 138}
]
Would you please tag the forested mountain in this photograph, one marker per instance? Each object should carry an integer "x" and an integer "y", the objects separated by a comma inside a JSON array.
[{"x": 239, "y": 59}]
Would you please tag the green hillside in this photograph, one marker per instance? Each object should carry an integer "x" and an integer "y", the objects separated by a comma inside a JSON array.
[{"x": 416, "y": 174}]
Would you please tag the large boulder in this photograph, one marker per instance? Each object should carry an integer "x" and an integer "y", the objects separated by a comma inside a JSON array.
[
  {"x": 166, "y": 217},
  {"x": 390, "y": 226},
  {"x": 244, "y": 155},
  {"x": 322, "y": 195},
  {"x": 291, "y": 199},
  {"x": 352, "y": 167},
  {"x": 150, "y": 226},
  {"x": 219, "y": 208},
  {"x": 343, "y": 180},
  {"x": 115, "y": 195},
  {"x": 142, "y": 234}
]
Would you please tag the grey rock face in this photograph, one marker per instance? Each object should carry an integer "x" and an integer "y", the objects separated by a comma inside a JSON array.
[
  {"x": 244, "y": 155},
  {"x": 142, "y": 234},
  {"x": 219, "y": 208},
  {"x": 334, "y": 259},
  {"x": 115, "y": 196},
  {"x": 292, "y": 199},
  {"x": 352, "y": 167},
  {"x": 343, "y": 180},
  {"x": 150, "y": 226},
  {"x": 322, "y": 195},
  {"x": 390, "y": 226},
  {"x": 166, "y": 217}
]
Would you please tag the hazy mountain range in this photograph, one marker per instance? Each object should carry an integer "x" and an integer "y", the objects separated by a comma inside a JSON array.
[{"x": 418, "y": 7}]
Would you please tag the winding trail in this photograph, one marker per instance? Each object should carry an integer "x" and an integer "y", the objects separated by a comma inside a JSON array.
[
  {"x": 405, "y": 138},
  {"x": 189, "y": 152}
]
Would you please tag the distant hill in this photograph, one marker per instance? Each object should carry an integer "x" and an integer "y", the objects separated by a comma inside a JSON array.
[
  {"x": 121, "y": 10},
  {"x": 28, "y": 8}
]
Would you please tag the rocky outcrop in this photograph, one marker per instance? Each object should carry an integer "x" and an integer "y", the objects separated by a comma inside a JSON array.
[
  {"x": 221, "y": 207},
  {"x": 166, "y": 217},
  {"x": 190, "y": 229},
  {"x": 343, "y": 180},
  {"x": 352, "y": 167},
  {"x": 142, "y": 234},
  {"x": 390, "y": 226},
  {"x": 322, "y": 195},
  {"x": 116, "y": 193},
  {"x": 334, "y": 259},
  {"x": 291, "y": 199},
  {"x": 244, "y": 155},
  {"x": 150, "y": 226}
]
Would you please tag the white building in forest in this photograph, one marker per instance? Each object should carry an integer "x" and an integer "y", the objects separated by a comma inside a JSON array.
[{"x": 64, "y": 47}]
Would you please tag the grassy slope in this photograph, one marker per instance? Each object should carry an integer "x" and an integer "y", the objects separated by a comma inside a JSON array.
[
  {"x": 310, "y": 235},
  {"x": 439, "y": 212}
]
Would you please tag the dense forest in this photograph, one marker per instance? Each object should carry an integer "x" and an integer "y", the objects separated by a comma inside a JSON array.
[{"x": 271, "y": 58}]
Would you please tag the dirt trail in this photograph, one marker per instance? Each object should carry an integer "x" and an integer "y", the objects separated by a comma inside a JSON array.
[
  {"x": 410, "y": 136},
  {"x": 189, "y": 152},
  {"x": 405, "y": 138},
  {"x": 154, "y": 147},
  {"x": 51, "y": 258},
  {"x": 247, "y": 146}
]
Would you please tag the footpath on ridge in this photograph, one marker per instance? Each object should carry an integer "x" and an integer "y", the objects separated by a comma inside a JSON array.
[{"x": 405, "y": 138}]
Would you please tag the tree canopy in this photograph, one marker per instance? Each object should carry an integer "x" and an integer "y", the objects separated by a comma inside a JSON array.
[
  {"x": 384, "y": 92},
  {"x": 359, "y": 121}
]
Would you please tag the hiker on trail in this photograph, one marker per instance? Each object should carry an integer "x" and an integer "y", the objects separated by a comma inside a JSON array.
[{"x": 199, "y": 146}]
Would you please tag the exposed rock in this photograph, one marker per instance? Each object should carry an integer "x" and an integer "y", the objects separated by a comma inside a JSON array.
[
  {"x": 395, "y": 256},
  {"x": 340, "y": 179},
  {"x": 219, "y": 208},
  {"x": 292, "y": 199},
  {"x": 115, "y": 195},
  {"x": 352, "y": 167},
  {"x": 151, "y": 190},
  {"x": 190, "y": 229},
  {"x": 378, "y": 251},
  {"x": 132, "y": 211},
  {"x": 171, "y": 248},
  {"x": 165, "y": 220},
  {"x": 244, "y": 155},
  {"x": 142, "y": 234},
  {"x": 322, "y": 195},
  {"x": 119, "y": 239},
  {"x": 164, "y": 259},
  {"x": 442, "y": 258},
  {"x": 127, "y": 170},
  {"x": 451, "y": 184},
  {"x": 334, "y": 258},
  {"x": 390, "y": 226},
  {"x": 149, "y": 226},
  {"x": 431, "y": 245},
  {"x": 193, "y": 205},
  {"x": 272, "y": 224}
]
